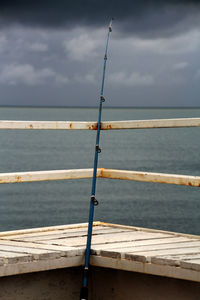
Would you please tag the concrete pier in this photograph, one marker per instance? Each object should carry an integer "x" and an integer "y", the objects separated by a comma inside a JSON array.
[{"x": 126, "y": 263}]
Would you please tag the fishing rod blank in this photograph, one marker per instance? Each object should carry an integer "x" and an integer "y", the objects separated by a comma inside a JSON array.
[{"x": 93, "y": 200}]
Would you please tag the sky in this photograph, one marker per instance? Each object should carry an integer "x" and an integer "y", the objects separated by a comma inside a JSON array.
[{"x": 51, "y": 52}]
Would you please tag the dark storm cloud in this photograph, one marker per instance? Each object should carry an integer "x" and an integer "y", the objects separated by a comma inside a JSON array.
[{"x": 139, "y": 16}]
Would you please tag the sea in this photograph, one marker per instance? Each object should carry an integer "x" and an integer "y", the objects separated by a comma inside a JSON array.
[{"x": 151, "y": 205}]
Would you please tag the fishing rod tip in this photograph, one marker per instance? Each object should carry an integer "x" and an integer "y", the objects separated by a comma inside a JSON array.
[{"x": 110, "y": 25}]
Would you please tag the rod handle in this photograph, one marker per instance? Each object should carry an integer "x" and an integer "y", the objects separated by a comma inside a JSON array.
[{"x": 84, "y": 293}]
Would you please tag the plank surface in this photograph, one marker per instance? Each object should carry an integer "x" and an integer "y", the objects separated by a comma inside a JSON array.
[
  {"x": 36, "y": 253},
  {"x": 135, "y": 248},
  {"x": 181, "y": 257},
  {"x": 13, "y": 257},
  {"x": 34, "y": 245},
  {"x": 158, "y": 241},
  {"x": 158, "y": 252},
  {"x": 67, "y": 233},
  {"x": 13, "y": 233},
  {"x": 193, "y": 264}
]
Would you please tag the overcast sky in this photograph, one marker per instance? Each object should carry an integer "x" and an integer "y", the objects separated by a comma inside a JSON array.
[{"x": 51, "y": 52}]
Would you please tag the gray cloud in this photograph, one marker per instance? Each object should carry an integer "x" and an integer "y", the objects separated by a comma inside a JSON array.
[
  {"x": 140, "y": 71},
  {"x": 57, "y": 59},
  {"x": 144, "y": 17},
  {"x": 14, "y": 74},
  {"x": 38, "y": 47},
  {"x": 82, "y": 47},
  {"x": 132, "y": 80}
]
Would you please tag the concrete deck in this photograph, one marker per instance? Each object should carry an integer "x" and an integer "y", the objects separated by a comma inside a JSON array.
[{"x": 119, "y": 247}]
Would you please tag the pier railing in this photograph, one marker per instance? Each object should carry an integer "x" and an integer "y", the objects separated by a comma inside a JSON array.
[
  {"x": 106, "y": 125},
  {"x": 101, "y": 173}
]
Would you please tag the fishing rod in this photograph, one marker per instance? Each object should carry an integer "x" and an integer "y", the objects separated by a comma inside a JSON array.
[{"x": 93, "y": 200}]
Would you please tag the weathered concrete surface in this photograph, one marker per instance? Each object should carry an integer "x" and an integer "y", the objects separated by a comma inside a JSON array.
[
  {"x": 105, "y": 284},
  {"x": 109, "y": 284},
  {"x": 62, "y": 284}
]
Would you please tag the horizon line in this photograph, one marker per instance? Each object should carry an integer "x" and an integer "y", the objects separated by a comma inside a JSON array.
[{"x": 92, "y": 107}]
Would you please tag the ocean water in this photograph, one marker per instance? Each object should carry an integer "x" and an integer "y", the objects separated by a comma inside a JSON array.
[{"x": 159, "y": 206}]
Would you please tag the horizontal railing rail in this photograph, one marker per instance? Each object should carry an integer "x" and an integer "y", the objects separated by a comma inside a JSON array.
[
  {"x": 101, "y": 173},
  {"x": 152, "y": 177},
  {"x": 106, "y": 125},
  {"x": 46, "y": 175}
]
